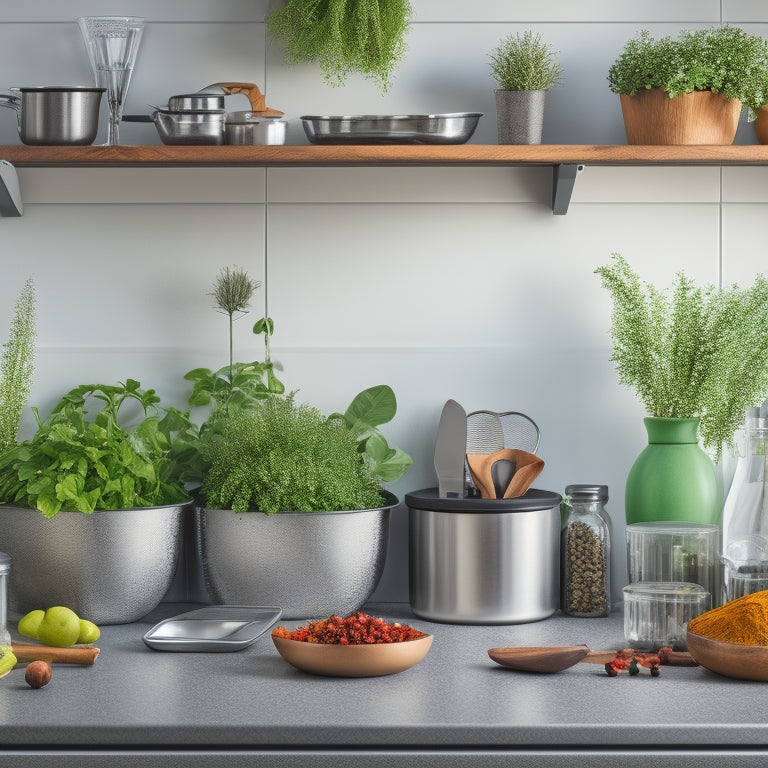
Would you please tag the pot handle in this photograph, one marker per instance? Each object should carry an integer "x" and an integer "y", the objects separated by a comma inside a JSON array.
[
  {"x": 138, "y": 119},
  {"x": 10, "y": 100}
]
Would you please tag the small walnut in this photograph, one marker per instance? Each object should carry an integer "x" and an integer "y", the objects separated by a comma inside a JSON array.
[{"x": 38, "y": 674}]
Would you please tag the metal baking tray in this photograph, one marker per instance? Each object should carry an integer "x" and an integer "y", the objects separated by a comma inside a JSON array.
[
  {"x": 216, "y": 628},
  {"x": 450, "y": 128}
]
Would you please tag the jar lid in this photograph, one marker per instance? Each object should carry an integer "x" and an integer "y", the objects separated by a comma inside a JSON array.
[
  {"x": 580, "y": 492},
  {"x": 5, "y": 563},
  {"x": 666, "y": 591},
  {"x": 532, "y": 500},
  {"x": 673, "y": 527}
]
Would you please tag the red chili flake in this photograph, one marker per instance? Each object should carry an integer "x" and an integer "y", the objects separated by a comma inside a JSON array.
[{"x": 358, "y": 629}]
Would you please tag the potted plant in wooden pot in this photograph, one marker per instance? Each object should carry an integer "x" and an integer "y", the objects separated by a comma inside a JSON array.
[
  {"x": 93, "y": 509},
  {"x": 525, "y": 68},
  {"x": 692, "y": 89},
  {"x": 291, "y": 510},
  {"x": 698, "y": 357}
]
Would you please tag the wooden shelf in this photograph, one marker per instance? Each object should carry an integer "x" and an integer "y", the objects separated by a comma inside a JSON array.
[
  {"x": 566, "y": 160},
  {"x": 382, "y": 155}
]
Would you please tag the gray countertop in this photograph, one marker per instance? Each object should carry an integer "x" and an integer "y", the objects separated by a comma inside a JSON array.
[{"x": 457, "y": 699}]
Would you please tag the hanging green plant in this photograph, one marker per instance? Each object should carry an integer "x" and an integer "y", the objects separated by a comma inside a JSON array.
[{"x": 344, "y": 36}]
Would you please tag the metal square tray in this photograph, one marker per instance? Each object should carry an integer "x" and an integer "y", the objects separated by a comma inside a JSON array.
[{"x": 213, "y": 629}]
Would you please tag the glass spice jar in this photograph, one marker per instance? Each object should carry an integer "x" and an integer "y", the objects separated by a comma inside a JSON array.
[
  {"x": 5, "y": 569},
  {"x": 586, "y": 552}
]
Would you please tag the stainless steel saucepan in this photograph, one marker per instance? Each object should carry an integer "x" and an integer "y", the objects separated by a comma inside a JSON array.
[
  {"x": 202, "y": 127},
  {"x": 55, "y": 115}
]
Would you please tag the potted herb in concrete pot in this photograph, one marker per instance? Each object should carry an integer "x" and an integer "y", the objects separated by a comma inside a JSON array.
[
  {"x": 344, "y": 36},
  {"x": 93, "y": 509},
  {"x": 525, "y": 68},
  {"x": 698, "y": 357},
  {"x": 690, "y": 90}
]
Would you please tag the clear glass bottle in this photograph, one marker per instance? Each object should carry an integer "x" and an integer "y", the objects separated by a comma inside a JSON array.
[
  {"x": 586, "y": 552},
  {"x": 5, "y": 569}
]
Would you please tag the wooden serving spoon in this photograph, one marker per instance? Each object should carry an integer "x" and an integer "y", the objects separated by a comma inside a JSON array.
[{"x": 557, "y": 658}]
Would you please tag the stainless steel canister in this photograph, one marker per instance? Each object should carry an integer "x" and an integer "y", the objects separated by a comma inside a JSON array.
[{"x": 484, "y": 561}]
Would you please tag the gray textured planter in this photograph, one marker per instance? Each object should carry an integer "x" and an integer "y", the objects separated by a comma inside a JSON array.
[
  {"x": 520, "y": 116},
  {"x": 310, "y": 564},
  {"x": 110, "y": 567}
]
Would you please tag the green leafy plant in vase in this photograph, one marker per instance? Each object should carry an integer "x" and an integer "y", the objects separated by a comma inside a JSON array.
[
  {"x": 697, "y": 357},
  {"x": 691, "y": 89},
  {"x": 525, "y": 68}
]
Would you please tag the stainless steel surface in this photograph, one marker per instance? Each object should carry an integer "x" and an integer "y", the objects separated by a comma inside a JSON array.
[
  {"x": 450, "y": 450},
  {"x": 11, "y": 203},
  {"x": 185, "y": 127},
  {"x": 213, "y": 629},
  {"x": 484, "y": 561},
  {"x": 449, "y": 128},
  {"x": 191, "y": 102},
  {"x": 250, "y": 128},
  {"x": 110, "y": 567},
  {"x": 311, "y": 564},
  {"x": 55, "y": 115}
]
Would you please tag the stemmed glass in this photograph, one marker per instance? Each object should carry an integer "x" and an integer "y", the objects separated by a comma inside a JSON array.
[{"x": 112, "y": 43}]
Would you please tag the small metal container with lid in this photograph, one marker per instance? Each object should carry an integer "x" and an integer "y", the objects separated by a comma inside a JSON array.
[
  {"x": 5, "y": 569},
  {"x": 586, "y": 552}
]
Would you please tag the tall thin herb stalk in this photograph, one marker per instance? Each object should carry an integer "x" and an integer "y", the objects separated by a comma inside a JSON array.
[
  {"x": 17, "y": 365},
  {"x": 690, "y": 352},
  {"x": 233, "y": 291}
]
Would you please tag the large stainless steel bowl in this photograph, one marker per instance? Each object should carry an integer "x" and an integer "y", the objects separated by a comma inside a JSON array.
[
  {"x": 449, "y": 128},
  {"x": 310, "y": 564},
  {"x": 111, "y": 567}
]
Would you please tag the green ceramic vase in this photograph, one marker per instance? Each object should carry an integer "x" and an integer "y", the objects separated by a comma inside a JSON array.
[{"x": 673, "y": 478}]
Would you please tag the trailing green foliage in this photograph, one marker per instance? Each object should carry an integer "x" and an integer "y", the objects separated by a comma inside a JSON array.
[
  {"x": 524, "y": 62},
  {"x": 344, "y": 36},
  {"x": 690, "y": 352},
  {"x": 284, "y": 456},
  {"x": 17, "y": 365},
  {"x": 80, "y": 465},
  {"x": 725, "y": 60}
]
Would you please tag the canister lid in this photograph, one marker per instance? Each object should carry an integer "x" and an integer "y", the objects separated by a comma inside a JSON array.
[
  {"x": 5, "y": 563},
  {"x": 581, "y": 492},
  {"x": 532, "y": 500}
]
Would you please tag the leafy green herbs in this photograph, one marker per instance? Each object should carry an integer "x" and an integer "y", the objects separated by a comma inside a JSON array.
[
  {"x": 524, "y": 62},
  {"x": 725, "y": 60},
  {"x": 81, "y": 465},
  {"x": 285, "y": 456},
  {"x": 690, "y": 352},
  {"x": 17, "y": 365},
  {"x": 344, "y": 36}
]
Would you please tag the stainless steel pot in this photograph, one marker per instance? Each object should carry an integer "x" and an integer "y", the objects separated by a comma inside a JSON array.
[
  {"x": 55, "y": 115},
  {"x": 484, "y": 561},
  {"x": 195, "y": 102},
  {"x": 252, "y": 128},
  {"x": 204, "y": 127}
]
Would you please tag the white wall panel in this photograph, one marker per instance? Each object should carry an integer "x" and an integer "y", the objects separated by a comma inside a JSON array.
[{"x": 745, "y": 185}]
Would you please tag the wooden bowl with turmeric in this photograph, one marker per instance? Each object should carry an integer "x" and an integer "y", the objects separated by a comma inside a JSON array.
[{"x": 732, "y": 640}]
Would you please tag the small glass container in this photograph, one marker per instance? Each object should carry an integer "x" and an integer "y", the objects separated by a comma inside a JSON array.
[
  {"x": 586, "y": 552},
  {"x": 656, "y": 614},
  {"x": 675, "y": 551},
  {"x": 5, "y": 569}
]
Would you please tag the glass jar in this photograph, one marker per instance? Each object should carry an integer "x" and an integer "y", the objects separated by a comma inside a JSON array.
[
  {"x": 586, "y": 552},
  {"x": 5, "y": 569}
]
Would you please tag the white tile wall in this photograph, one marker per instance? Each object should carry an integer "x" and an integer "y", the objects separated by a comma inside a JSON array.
[{"x": 443, "y": 282}]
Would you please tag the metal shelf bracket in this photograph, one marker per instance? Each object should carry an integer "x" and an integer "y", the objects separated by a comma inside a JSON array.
[
  {"x": 563, "y": 179},
  {"x": 10, "y": 193}
]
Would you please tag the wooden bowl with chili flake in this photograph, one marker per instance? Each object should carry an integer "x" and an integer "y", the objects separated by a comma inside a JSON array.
[
  {"x": 356, "y": 646},
  {"x": 744, "y": 662}
]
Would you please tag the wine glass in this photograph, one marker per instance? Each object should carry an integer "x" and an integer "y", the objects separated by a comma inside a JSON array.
[{"x": 112, "y": 43}]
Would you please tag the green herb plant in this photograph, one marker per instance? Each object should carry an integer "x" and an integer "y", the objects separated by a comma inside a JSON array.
[
  {"x": 690, "y": 352},
  {"x": 725, "y": 60},
  {"x": 77, "y": 464},
  {"x": 344, "y": 36},
  {"x": 17, "y": 366},
  {"x": 524, "y": 62}
]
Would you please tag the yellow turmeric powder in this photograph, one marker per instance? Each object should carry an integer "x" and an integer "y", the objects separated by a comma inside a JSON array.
[{"x": 743, "y": 621}]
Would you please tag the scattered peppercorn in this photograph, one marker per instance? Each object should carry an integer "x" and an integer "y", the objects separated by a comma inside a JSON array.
[{"x": 358, "y": 629}]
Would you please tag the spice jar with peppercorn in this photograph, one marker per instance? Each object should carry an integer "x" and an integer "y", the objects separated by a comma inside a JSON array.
[{"x": 586, "y": 552}]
